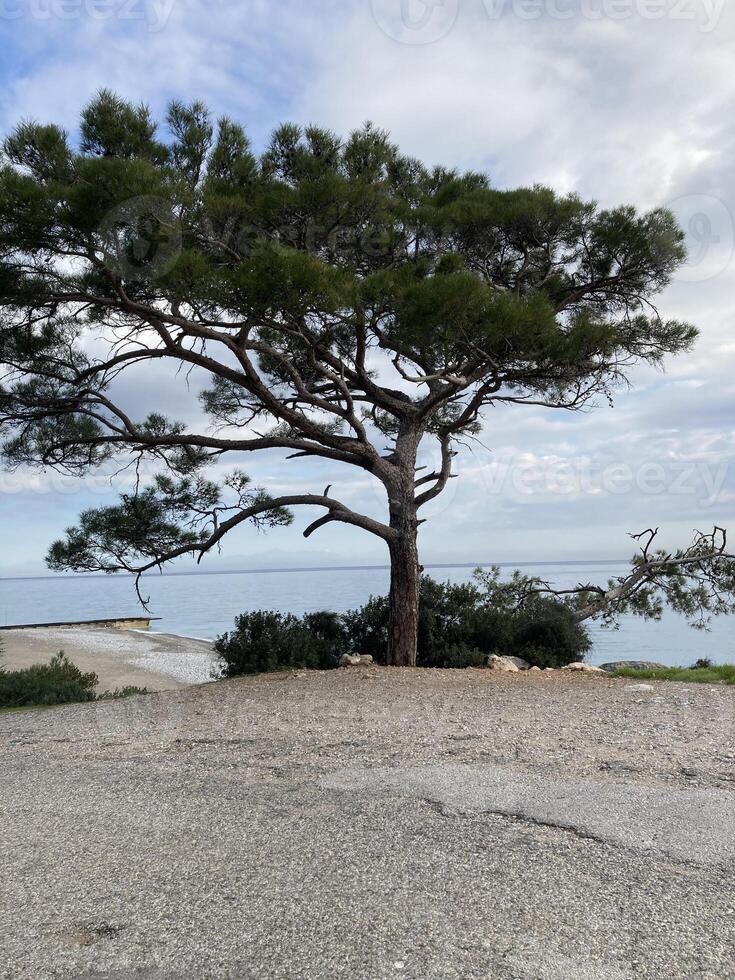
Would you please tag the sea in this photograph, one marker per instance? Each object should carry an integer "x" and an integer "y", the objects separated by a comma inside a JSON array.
[{"x": 205, "y": 604}]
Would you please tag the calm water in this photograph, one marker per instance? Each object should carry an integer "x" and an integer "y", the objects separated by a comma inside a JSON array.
[{"x": 205, "y": 605}]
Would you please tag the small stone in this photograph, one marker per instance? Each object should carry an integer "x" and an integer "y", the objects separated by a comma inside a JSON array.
[
  {"x": 535, "y": 670},
  {"x": 638, "y": 687},
  {"x": 355, "y": 659},
  {"x": 584, "y": 668}
]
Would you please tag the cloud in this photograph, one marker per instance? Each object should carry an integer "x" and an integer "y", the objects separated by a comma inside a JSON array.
[{"x": 621, "y": 110}]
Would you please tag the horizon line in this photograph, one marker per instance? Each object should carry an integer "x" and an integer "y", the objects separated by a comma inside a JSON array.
[{"x": 317, "y": 568}]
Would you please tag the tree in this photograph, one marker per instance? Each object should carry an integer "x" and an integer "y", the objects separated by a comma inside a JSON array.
[
  {"x": 697, "y": 582},
  {"x": 344, "y": 302}
]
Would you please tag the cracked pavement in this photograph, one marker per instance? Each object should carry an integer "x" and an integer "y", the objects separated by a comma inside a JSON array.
[
  {"x": 372, "y": 824},
  {"x": 682, "y": 824}
]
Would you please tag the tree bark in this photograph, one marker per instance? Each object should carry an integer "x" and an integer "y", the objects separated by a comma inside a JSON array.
[
  {"x": 404, "y": 597},
  {"x": 403, "y": 620}
]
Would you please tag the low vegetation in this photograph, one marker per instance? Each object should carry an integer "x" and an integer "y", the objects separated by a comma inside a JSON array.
[
  {"x": 459, "y": 626},
  {"x": 265, "y": 641},
  {"x": 58, "y": 682},
  {"x": 709, "y": 674}
]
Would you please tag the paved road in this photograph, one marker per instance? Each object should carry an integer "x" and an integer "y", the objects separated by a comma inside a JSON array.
[
  {"x": 289, "y": 829},
  {"x": 695, "y": 826}
]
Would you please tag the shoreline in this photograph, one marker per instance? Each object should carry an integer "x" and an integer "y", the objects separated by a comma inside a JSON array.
[{"x": 120, "y": 658}]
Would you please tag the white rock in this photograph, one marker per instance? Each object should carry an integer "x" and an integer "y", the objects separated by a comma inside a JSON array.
[
  {"x": 585, "y": 668},
  {"x": 638, "y": 687},
  {"x": 502, "y": 664},
  {"x": 355, "y": 659},
  {"x": 535, "y": 670}
]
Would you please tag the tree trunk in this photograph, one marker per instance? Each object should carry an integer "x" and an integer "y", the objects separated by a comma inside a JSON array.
[
  {"x": 404, "y": 598},
  {"x": 403, "y": 622}
]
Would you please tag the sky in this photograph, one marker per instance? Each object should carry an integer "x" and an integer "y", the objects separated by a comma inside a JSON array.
[{"x": 622, "y": 101}]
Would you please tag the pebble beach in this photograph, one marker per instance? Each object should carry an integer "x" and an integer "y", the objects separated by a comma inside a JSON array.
[{"x": 120, "y": 658}]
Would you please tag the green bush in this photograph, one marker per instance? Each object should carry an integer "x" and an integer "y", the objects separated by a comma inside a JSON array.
[
  {"x": 459, "y": 626},
  {"x": 265, "y": 641},
  {"x": 57, "y": 682},
  {"x": 545, "y": 633}
]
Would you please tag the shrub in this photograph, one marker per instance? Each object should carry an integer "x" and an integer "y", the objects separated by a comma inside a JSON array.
[
  {"x": 57, "y": 682},
  {"x": 129, "y": 691},
  {"x": 459, "y": 626},
  {"x": 265, "y": 641},
  {"x": 545, "y": 633}
]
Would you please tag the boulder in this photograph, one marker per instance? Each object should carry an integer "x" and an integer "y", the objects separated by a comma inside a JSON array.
[
  {"x": 504, "y": 664},
  {"x": 584, "y": 668},
  {"x": 632, "y": 665},
  {"x": 535, "y": 670}
]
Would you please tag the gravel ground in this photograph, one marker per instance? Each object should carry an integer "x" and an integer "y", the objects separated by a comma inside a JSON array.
[{"x": 373, "y": 823}]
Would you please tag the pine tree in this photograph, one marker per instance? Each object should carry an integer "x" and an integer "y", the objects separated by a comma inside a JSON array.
[{"x": 345, "y": 302}]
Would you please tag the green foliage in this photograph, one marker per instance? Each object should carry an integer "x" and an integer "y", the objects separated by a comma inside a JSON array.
[
  {"x": 457, "y": 628},
  {"x": 270, "y": 641},
  {"x": 129, "y": 691},
  {"x": 547, "y": 290},
  {"x": 697, "y": 583},
  {"x": 58, "y": 682},
  {"x": 172, "y": 515},
  {"x": 291, "y": 283},
  {"x": 545, "y": 632},
  {"x": 112, "y": 127},
  {"x": 461, "y": 625},
  {"x": 720, "y": 674}
]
